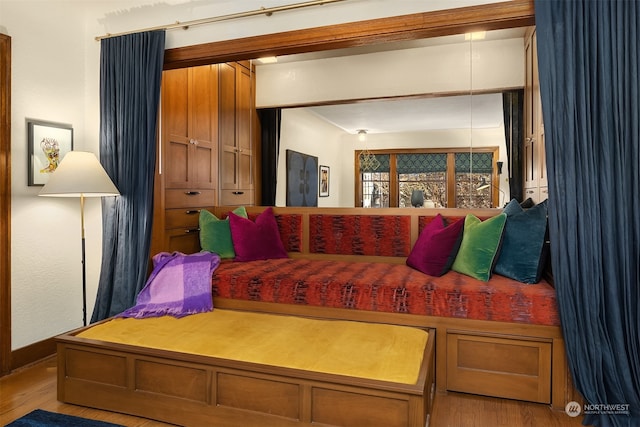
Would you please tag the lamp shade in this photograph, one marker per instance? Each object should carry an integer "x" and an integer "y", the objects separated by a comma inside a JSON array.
[
  {"x": 483, "y": 184},
  {"x": 79, "y": 174}
]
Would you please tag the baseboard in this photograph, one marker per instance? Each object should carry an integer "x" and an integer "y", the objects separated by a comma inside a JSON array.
[{"x": 32, "y": 353}]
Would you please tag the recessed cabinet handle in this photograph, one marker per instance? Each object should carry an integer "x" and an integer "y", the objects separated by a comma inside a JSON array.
[
  {"x": 191, "y": 193},
  {"x": 237, "y": 192},
  {"x": 192, "y": 212},
  {"x": 191, "y": 230}
]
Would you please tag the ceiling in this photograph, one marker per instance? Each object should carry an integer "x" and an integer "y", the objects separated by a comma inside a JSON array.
[
  {"x": 415, "y": 114},
  {"x": 412, "y": 114}
]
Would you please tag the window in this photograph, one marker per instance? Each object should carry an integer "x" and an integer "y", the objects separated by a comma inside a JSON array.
[
  {"x": 374, "y": 191},
  {"x": 446, "y": 177},
  {"x": 426, "y": 172}
]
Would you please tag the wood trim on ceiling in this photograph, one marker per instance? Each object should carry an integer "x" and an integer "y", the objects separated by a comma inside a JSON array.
[{"x": 494, "y": 16}]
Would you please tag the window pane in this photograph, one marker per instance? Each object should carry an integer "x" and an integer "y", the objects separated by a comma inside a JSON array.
[
  {"x": 375, "y": 189},
  {"x": 432, "y": 184},
  {"x": 467, "y": 195},
  {"x": 424, "y": 172}
]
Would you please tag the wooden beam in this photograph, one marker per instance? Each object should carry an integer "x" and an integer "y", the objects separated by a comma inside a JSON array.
[{"x": 494, "y": 16}]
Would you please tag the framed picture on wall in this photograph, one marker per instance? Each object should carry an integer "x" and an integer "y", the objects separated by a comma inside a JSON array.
[
  {"x": 47, "y": 143},
  {"x": 302, "y": 179},
  {"x": 324, "y": 181}
]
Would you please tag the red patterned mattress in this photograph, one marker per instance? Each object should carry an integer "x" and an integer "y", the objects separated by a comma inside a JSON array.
[{"x": 386, "y": 287}]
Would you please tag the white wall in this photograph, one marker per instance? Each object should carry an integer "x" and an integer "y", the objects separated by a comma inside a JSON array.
[
  {"x": 304, "y": 132},
  {"x": 497, "y": 64},
  {"x": 55, "y": 77}
]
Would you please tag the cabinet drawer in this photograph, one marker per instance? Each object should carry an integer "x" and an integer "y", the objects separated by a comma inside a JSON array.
[
  {"x": 185, "y": 240},
  {"x": 533, "y": 193},
  {"x": 501, "y": 367},
  {"x": 182, "y": 218},
  {"x": 236, "y": 197},
  {"x": 544, "y": 193},
  {"x": 189, "y": 198}
]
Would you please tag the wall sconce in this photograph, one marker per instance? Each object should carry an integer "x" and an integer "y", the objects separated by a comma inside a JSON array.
[{"x": 362, "y": 135}]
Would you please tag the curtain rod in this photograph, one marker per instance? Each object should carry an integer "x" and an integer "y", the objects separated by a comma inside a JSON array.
[{"x": 185, "y": 25}]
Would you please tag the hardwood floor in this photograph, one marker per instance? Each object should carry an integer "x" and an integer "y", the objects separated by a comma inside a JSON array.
[{"x": 35, "y": 388}]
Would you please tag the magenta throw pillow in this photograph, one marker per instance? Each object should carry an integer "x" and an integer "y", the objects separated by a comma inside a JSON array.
[
  {"x": 256, "y": 240},
  {"x": 436, "y": 247}
]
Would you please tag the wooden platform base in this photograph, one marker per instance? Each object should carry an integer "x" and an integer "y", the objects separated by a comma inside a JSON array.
[
  {"x": 195, "y": 390},
  {"x": 509, "y": 360}
]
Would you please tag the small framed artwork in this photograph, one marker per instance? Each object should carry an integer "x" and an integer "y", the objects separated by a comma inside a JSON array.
[
  {"x": 47, "y": 142},
  {"x": 324, "y": 181}
]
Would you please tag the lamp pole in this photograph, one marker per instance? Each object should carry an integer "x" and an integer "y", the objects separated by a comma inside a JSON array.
[
  {"x": 84, "y": 265},
  {"x": 80, "y": 174}
]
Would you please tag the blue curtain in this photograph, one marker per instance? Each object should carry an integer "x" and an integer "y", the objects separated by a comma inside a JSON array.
[
  {"x": 512, "y": 109},
  {"x": 130, "y": 76},
  {"x": 589, "y": 68},
  {"x": 270, "y": 123}
]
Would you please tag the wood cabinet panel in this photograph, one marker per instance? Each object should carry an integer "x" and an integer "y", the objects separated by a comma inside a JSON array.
[
  {"x": 188, "y": 218},
  {"x": 236, "y": 142},
  {"x": 189, "y": 198},
  {"x": 203, "y": 96},
  {"x": 535, "y": 173},
  {"x": 334, "y": 407},
  {"x": 236, "y": 197},
  {"x": 175, "y": 104},
  {"x": 206, "y": 145},
  {"x": 185, "y": 240},
  {"x": 499, "y": 366},
  {"x": 190, "y": 127},
  {"x": 177, "y": 170},
  {"x": 267, "y": 396}
]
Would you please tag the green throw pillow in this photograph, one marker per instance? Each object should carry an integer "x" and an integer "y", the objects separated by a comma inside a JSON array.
[
  {"x": 215, "y": 233},
  {"x": 480, "y": 246}
]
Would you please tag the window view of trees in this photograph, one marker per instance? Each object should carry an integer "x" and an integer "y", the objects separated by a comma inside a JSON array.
[{"x": 436, "y": 178}]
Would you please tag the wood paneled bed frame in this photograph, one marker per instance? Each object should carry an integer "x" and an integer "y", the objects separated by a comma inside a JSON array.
[{"x": 195, "y": 390}]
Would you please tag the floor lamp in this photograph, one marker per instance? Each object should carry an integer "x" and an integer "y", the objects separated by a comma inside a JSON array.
[
  {"x": 80, "y": 174},
  {"x": 484, "y": 184}
]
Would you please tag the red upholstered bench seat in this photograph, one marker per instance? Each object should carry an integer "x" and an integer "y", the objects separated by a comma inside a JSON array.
[{"x": 387, "y": 288}]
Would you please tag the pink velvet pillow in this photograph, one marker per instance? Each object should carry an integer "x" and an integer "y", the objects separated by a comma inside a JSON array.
[
  {"x": 436, "y": 247},
  {"x": 256, "y": 240}
]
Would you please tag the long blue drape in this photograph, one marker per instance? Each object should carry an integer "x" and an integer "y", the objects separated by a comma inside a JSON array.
[
  {"x": 130, "y": 76},
  {"x": 589, "y": 64},
  {"x": 270, "y": 120}
]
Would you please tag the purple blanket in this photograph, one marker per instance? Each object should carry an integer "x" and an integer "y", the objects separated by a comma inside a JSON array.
[{"x": 179, "y": 285}]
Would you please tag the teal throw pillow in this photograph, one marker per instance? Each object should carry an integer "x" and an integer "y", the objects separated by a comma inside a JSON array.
[
  {"x": 215, "y": 233},
  {"x": 523, "y": 250},
  {"x": 480, "y": 246}
]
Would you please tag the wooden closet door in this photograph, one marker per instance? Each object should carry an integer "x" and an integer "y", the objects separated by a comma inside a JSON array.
[
  {"x": 227, "y": 122},
  {"x": 203, "y": 127},
  {"x": 175, "y": 127},
  {"x": 244, "y": 144}
]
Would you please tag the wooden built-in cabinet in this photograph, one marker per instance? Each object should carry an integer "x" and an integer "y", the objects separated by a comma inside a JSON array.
[
  {"x": 535, "y": 168},
  {"x": 205, "y": 156},
  {"x": 236, "y": 146}
]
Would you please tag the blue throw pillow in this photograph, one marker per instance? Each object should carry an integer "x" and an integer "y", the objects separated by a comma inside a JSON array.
[{"x": 522, "y": 255}]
